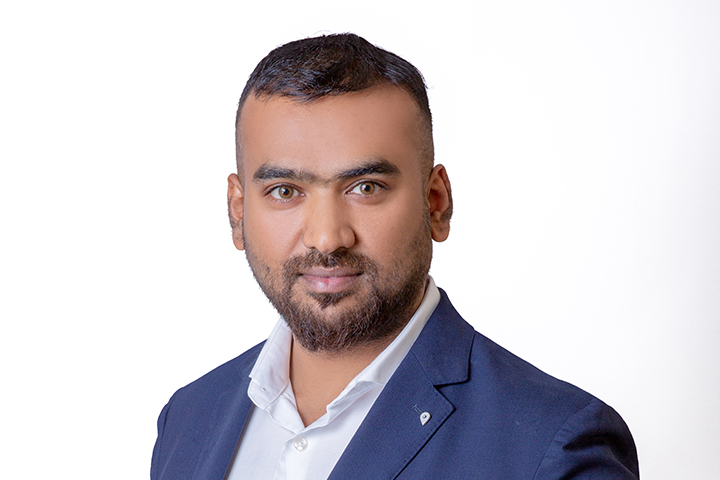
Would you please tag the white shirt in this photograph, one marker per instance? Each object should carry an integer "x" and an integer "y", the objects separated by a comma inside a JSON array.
[{"x": 275, "y": 444}]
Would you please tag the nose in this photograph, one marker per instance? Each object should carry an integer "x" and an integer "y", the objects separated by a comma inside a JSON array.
[{"x": 328, "y": 226}]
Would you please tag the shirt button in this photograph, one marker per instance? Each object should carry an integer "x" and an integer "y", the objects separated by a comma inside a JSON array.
[{"x": 300, "y": 444}]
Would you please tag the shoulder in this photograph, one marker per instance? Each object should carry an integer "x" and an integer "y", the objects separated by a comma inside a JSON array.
[
  {"x": 454, "y": 354},
  {"x": 512, "y": 398},
  {"x": 515, "y": 381},
  {"x": 228, "y": 376},
  {"x": 198, "y": 414},
  {"x": 506, "y": 406},
  {"x": 197, "y": 402},
  {"x": 228, "y": 372}
]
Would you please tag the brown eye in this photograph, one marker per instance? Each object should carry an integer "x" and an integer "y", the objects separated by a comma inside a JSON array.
[
  {"x": 365, "y": 188},
  {"x": 283, "y": 192}
]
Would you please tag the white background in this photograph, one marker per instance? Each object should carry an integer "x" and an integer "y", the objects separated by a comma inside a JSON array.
[{"x": 582, "y": 139}]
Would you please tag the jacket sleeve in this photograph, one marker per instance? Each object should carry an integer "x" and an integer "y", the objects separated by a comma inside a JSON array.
[
  {"x": 595, "y": 443},
  {"x": 155, "y": 464}
]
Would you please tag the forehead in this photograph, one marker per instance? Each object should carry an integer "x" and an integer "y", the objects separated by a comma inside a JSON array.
[{"x": 332, "y": 132}]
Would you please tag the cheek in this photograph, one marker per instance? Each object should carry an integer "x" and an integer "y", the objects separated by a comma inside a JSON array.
[
  {"x": 271, "y": 234},
  {"x": 389, "y": 233}
]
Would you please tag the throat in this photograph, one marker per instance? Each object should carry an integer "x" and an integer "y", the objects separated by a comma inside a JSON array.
[{"x": 317, "y": 379}]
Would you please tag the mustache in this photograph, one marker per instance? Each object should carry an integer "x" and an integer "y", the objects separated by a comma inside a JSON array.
[{"x": 338, "y": 258}]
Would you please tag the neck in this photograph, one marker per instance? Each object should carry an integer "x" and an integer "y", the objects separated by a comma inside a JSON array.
[{"x": 317, "y": 378}]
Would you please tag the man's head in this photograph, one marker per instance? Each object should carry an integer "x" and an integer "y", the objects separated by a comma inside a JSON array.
[{"x": 337, "y": 201}]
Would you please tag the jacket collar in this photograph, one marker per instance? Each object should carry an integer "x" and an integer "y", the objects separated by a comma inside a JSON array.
[{"x": 443, "y": 347}]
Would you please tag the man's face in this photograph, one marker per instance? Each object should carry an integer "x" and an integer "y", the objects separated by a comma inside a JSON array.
[{"x": 335, "y": 213}]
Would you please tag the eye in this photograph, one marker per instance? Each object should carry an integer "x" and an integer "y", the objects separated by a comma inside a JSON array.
[
  {"x": 283, "y": 192},
  {"x": 366, "y": 188}
]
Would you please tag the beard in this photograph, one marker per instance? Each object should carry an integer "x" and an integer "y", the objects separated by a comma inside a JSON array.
[{"x": 381, "y": 311}]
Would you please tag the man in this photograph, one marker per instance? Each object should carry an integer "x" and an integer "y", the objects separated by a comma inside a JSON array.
[{"x": 370, "y": 373}]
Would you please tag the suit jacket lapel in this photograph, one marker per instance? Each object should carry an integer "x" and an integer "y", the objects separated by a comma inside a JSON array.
[
  {"x": 228, "y": 421},
  {"x": 393, "y": 431}
]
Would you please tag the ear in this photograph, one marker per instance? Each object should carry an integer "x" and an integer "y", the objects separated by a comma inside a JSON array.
[
  {"x": 235, "y": 209},
  {"x": 439, "y": 197}
]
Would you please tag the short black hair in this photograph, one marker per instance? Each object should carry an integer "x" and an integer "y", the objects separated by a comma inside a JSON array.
[{"x": 308, "y": 69}]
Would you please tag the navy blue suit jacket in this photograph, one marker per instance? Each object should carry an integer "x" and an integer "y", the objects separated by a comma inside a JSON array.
[{"x": 492, "y": 416}]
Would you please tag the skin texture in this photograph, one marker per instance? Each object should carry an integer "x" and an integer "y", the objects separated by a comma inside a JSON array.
[{"x": 337, "y": 214}]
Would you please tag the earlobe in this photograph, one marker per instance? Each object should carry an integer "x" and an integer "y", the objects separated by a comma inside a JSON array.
[
  {"x": 439, "y": 197},
  {"x": 235, "y": 209}
]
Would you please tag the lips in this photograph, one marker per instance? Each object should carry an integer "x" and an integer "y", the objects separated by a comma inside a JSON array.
[{"x": 329, "y": 280}]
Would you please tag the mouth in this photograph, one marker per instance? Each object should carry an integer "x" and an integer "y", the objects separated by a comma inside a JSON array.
[{"x": 329, "y": 280}]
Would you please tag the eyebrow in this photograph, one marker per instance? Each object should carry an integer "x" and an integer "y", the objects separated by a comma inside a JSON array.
[{"x": 378, "y": 166}]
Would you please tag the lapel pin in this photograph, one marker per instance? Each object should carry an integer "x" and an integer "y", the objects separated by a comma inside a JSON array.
[{"x": 424, "y": 416}]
